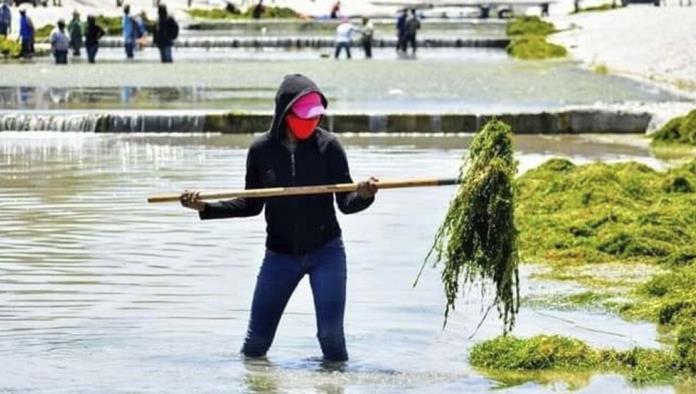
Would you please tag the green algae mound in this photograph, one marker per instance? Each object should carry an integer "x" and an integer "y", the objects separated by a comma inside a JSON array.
[
  {"x": 557, "y": 353},
  {"x": 625, "y": 212},
  {"x": 477, "y": 241},
  {"x": 679, "y": 130},
  {"x": 528, "y": 39},
  {"x": 9, "y": 48}
]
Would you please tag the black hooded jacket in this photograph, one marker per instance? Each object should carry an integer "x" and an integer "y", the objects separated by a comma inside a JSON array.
[{"x": 296, "y": 225}]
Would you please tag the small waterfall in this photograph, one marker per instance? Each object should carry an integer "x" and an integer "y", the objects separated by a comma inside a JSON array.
[
  {"x": 116, "y": 123},
  {"x": 48, "y": 122},
  {"x": 316, "y": 42}
]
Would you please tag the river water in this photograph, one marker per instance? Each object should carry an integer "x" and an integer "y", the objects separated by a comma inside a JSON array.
[
  {"x": 101, "y": 292},
  {"x": 472, "y": 80}
]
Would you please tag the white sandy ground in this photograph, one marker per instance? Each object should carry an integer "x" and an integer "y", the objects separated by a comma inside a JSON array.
[{"x": 656, "y": 44}]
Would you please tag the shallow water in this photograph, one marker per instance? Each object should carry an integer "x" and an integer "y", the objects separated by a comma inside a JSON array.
[
  {"x": 100, "y": 292},
  {"x": 441, "y": 81}
]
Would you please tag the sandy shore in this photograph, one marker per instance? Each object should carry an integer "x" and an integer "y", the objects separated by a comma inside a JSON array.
[{"x": 655, "y": 44}]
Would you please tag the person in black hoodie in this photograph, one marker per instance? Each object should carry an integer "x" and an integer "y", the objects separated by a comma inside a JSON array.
[
  {"x": 303, "y": 234},
  {"x": 92, "y": 36},
  {"x": 166, "y": 31}
]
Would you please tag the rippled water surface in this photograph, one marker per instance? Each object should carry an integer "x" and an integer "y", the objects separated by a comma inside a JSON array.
[
  {"x": 440, "y": 81},
  {"x": 100, "y": 292}
]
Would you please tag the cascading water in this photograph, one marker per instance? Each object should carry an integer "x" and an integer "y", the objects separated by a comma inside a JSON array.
[{"x": 102, "y": 122}]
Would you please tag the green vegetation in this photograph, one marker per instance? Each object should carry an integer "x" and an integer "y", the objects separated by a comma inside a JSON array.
[
  {"x": 43, "y": 32},
  {"x": 528, "y": 39},
  {"x": 222, "y": 13},
  {"x": 529, "y": 25},
  {"x": 599, "y": 212},
  {"x": 9, "y": 48},
  {"x": 680, "y": 130},
  {"x": 579, "y": 219},
  {"x": 601, "y": 69},
  {"x": 597, "y": 8},
  {"x": 557, "y": 353},
  {"x": 478, "y": 239}
]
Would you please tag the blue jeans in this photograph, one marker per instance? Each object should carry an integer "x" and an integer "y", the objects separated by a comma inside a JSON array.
[
  {"x": 278, "y": 278},
  {"x": 342, "y": 45},
  {"x": 130, "y": 46},
  {"x": 61, "y": 57},
  {"x": 166, "y": 54},
  {"x": 92, "y": 52}
]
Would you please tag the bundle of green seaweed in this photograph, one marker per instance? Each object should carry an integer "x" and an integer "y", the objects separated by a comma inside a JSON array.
[{"x": 477, "y": 242}]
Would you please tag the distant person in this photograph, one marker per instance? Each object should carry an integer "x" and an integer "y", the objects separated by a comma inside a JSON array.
[
  {"x": 344, "y": 38},
  {"x": 128, "y": 32},
  {"x": 166, "y": 31},
  {"x": 75, "y": 31},
  {"x": 60, "y": 43},
  {"x": 140, "y": 29},
  {"x": 5, "y": 20},
  {"x": 93, "y": 34},
  {"x": 368, "y": 31},
  {"x": 412, "y": 27},
  {"x": 335, "y": 10},
  {"x": 401, "y": 28},
  {"x": 26, "y": 34},
  {"x": 258, "y": 10}
]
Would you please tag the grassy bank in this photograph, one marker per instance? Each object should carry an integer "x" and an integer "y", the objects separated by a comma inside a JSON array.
[
  {"x": 528, "y": 39},
  {"x": 222, "y": 13},
  {"x": 598, "y": 8}
]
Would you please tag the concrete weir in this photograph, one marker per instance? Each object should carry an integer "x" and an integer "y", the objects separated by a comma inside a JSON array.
[
  {"x": 554, "y": 122},
  {"x": 315, "y": 42}
]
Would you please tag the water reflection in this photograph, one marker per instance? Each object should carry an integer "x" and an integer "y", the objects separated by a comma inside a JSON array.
[{"x": 95, "y": 285}]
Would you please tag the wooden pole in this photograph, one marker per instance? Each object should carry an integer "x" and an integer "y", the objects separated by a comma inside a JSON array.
[{"x": 305, "y": 190}]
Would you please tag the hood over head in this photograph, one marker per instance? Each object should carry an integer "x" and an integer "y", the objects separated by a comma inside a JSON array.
[{"x": 291, "y": 89}]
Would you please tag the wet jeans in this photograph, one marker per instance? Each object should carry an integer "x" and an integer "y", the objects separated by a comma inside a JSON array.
[
  {"x": 166, "y": 54},
  {"x": 278, "y": 278},
  {"x": 61, "y": 57},
  {"x": 92, "y": 52},
  {"x": 130, "y": 47}
]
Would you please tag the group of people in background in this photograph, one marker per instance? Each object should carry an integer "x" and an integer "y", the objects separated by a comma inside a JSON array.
[
  {"x": 75, "y": 35},
  {"x": 407, "y": 26}
]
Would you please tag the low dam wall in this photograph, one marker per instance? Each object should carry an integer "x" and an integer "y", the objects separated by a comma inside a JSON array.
[
  {"x": 553, "y": 122},
  {"x": 314, "y": 42}
]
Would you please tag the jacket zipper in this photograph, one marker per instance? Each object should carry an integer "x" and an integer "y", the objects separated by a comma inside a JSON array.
[
  {"x": 292, "y": 165},
  {"x": 294, "y": 183}
]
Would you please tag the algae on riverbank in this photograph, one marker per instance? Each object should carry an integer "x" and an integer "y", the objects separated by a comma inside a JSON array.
[
  {"x": 9, "y": 48},
  {"x": 557, "y": 353},
  {"x": 679, "y": 130},
  {"x": 478, "y": 239},
  {"x": 222, "y": 13},
  {"x": 627, "y": 214},
  {"x": 528, "y": 39}
]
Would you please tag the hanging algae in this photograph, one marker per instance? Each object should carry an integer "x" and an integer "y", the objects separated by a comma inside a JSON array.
[{"x": 477, "y": 241}]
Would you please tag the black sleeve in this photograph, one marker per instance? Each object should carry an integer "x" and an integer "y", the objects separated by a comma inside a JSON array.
[
  {"x": 347, "y": 202},
  {"x": 238, "y": 207}
]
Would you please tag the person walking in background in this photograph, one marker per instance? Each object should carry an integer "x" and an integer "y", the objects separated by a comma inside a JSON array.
[
  {"x": 5, "y": 20},
  {"x": 335, "y": 10},
  {"x": 400, "y": 28},
  {"x": 60, "y": 43},
  {"x": 166, "y": 31},
  {"x": 344, "y": 38},
  {"x": 412, "y": 27},
  {"x": 26, "y": 34},
  {"x": 75, "y": 31},
  {"x": 128, "y": 32},
  {"x": 258, "y": 10},
  {"x": 93, "y": 34},
  {"x": 368, "y": 31},
  {"x": 140, "y": 30}
]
